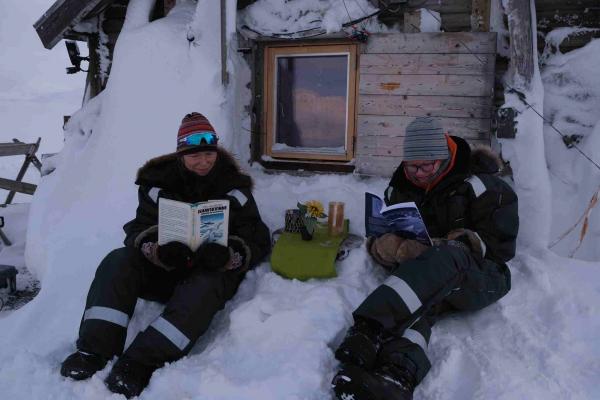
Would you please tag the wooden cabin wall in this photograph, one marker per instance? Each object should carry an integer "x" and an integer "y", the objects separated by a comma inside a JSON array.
[
  {"x": 403, "y": 76},
  {"x": 455, "y": 14}
]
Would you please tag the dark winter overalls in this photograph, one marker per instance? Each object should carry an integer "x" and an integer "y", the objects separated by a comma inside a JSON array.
[
  {"x": 192, "y": 297},
  {"x": 445, "y": 278}
]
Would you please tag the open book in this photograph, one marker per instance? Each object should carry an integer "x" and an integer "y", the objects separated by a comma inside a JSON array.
[
  {"x": 402, "y": 218},
  {"x": 193, "y": 223}
]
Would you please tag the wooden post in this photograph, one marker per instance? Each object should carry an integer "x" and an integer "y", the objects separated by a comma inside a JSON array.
[
  {"x": 480, "y": 15},
  {"x": 412, "y": 21},
  {"x": 168, "y": 5},
  {"x": 224, "y": 75},
  {"x": 521, "y": 42}
]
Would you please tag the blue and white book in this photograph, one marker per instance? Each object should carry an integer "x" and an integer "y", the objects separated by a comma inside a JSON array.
[
  {"x": 403, "y": 219},
  {"x": 193, "y": 223}
]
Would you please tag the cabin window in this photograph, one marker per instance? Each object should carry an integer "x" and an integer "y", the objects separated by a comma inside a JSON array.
[{"x": 310, "y": 95}]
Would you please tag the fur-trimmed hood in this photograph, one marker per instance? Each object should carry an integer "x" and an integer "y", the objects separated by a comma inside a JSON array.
[
  {"x": 168, "y": 172},
  {"x": 484, "y": 160}
]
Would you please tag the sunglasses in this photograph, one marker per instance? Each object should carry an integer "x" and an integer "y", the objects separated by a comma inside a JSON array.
[
  {"x": 426, "y": 168},
  {"x": 198, "y": 138}
]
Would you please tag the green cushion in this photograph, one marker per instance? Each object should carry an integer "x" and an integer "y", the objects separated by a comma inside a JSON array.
[{"x": 294, "y": 258}]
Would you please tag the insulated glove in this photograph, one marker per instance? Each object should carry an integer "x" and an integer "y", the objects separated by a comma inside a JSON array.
[
  {"x": 391, "y": 249},
  {"x": 409, "y": 249},
  {"x": 211, "y": 257},
  {"x": 175, "y": 255},
  {"x": 383, "y": 249},
  {"x": 470, "y": 239},
  {"x": 215, "y": 257}
]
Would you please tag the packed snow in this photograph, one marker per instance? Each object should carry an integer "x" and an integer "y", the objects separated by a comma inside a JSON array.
[{"x": 275, "y": 339}]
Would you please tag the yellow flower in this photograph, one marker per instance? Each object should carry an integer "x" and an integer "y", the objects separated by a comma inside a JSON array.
[{"x": 315, "y": 208}]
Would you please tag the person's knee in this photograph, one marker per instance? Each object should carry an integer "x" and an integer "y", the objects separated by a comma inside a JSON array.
[{"x": 117, "y": 263}]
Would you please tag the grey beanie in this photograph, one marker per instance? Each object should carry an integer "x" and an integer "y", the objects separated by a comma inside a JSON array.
[{"x": 425, "y": 140}]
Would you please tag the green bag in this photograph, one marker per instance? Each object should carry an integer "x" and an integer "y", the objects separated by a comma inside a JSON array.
[{"x": 294, "y": 258}]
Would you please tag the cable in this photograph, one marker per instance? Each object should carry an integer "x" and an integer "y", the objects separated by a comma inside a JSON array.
[
  {"x": 319, "y": 30},
  {"x": 519, "y": 94}
]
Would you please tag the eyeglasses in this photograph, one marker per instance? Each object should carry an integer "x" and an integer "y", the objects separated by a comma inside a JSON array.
[
  {"x": 198, "y": 138},
  {"x": 426, "y": 168}
]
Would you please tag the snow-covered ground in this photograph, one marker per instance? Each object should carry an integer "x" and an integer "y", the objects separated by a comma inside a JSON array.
[{"x": 275, "y": 339}]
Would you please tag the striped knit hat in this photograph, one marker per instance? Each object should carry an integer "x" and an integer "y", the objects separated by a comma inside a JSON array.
[
  {"x": 191, "y": 124},
  {"x": 425, "y": 140}
]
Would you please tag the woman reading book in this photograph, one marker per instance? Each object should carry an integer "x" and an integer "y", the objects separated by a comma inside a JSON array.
[{"x": 193, "y": 285}]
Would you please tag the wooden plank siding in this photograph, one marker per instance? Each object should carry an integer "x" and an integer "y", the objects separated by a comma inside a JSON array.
[{"x": 403, "y": 76}]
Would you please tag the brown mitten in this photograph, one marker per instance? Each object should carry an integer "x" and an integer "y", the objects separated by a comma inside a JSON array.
[
  {"x": 470, "y": 238},
  {"x": 383, "y": 249},
  {"x": 409, "y": 249}
]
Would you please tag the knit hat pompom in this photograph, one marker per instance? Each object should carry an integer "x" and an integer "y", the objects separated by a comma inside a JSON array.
[
  {"x": 425, "y": 140},
  {"x": 195, "y": 123}
]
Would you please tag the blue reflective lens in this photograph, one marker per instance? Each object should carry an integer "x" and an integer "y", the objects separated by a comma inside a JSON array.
[{"x": 199, "y": 138}]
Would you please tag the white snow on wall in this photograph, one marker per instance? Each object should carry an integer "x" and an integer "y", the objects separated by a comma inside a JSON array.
[
  {"x": 431, "y": 21},
  {"x": 571, "y": 104},
  {"x": 282, "y": 16}
]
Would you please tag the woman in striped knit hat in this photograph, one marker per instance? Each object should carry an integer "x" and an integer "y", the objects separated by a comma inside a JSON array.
[{"x": 192, "y": 285}]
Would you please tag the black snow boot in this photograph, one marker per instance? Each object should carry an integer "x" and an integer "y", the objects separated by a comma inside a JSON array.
[
  {"x": 387, "y": 382},
  {"x": 128, "y": 377},
  {"x": 361, "y": 344},
  {"x": 82, "y": 365}
]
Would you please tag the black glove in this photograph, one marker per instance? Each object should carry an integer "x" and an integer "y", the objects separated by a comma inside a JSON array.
[
  {"x": 175, "y": 255},
  {"x": 212, "y": 257}
]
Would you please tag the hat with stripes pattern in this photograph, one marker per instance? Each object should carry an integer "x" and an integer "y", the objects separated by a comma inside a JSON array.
[{"x": 425, "y": 140}]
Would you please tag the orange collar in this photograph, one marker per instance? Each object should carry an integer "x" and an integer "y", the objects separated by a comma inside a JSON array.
[{"x": 428, "y": 186}]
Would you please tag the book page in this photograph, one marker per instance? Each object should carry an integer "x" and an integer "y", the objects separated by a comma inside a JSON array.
[
  {"x": 174, "y": 222},
  {"x": 404, "y": 219},
  {"x": 211, "y": 222}
]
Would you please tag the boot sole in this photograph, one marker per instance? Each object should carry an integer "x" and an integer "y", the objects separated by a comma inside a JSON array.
[{"x": 347, "y": 385}]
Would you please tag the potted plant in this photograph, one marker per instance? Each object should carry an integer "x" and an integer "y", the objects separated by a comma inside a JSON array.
[{"x": 309, "y": 212}]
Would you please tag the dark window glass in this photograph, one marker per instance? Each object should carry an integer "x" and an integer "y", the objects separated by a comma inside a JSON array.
[{"x": 311, "y": 104}]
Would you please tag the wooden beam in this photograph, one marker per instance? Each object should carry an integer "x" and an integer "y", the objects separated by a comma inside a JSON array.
[
  {"x": 15, "y": 149},
  {"x": 521, "y": 42},
  {"x": 20, "y": 187},
  {"x": 480, "y": 15},
  {"x": 427, "y": 64},
  {"x": 393, "y": 125},
  {"x": 421, "y": 85},
  {"x": 60, "y": 17},
  {"x": 385, "y": 146},
  {"x": 432, "y": 42},
  {"x": 419, "y": 106},
  {"x": 224, "y": 74}
]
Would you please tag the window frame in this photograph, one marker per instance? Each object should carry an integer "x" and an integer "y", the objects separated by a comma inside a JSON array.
[{"x": 271, "y": 53}]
